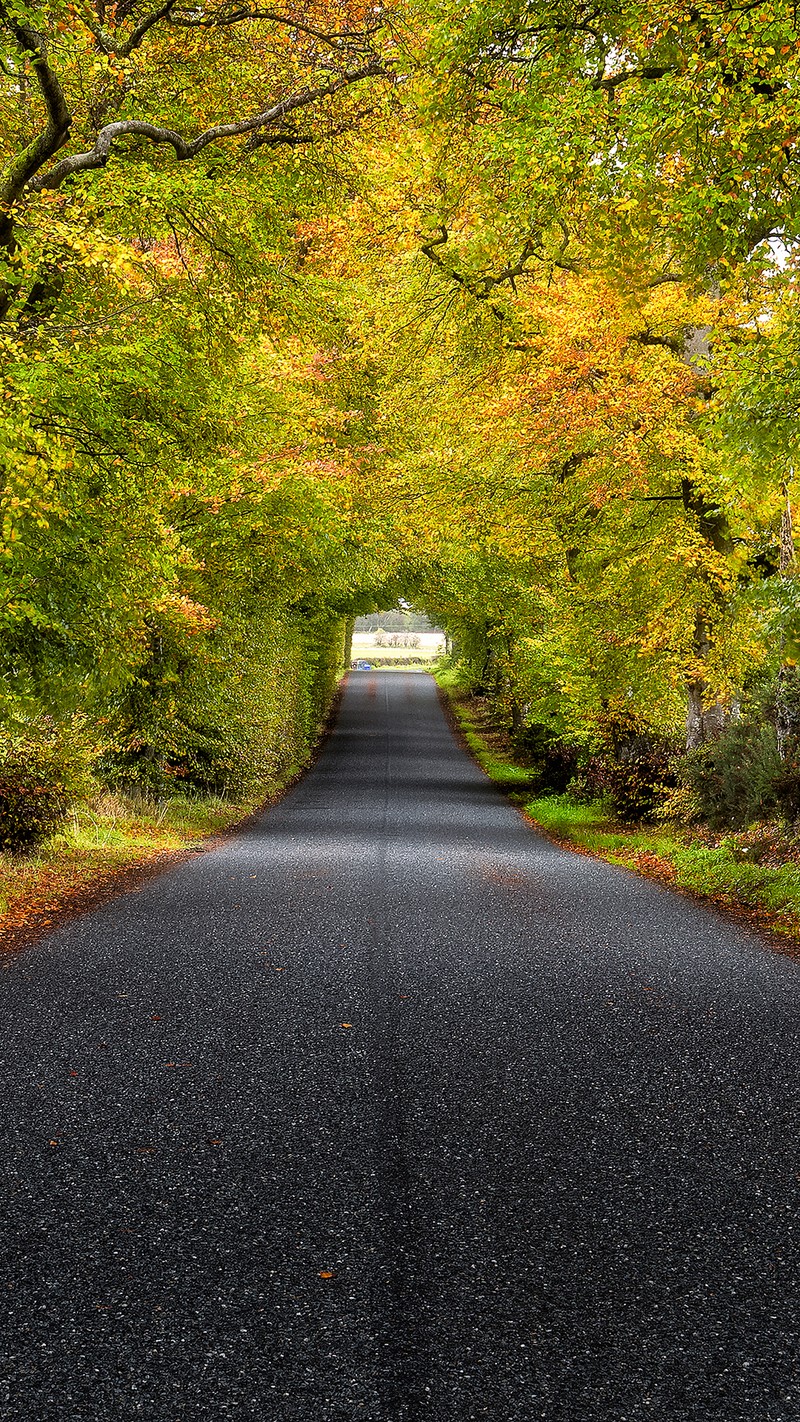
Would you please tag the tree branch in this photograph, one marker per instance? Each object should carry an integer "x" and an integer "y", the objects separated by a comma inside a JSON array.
[
  {"x": 200, "y": 18},
  {"x": 186, "y": 149},
  {"x": 670, "y": 343},
  {"x": 573, "y": 463},
  {"x": 609, "y": 82},
  {"x": 482, "y": 287},
  {"x": 667, "y": 278},
  {"x": 110, "y": 46},
  {"x": 197, "y": 19},
  {"x": 53, "y": 136}
]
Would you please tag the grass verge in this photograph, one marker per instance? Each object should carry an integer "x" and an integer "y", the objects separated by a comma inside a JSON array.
[
  {"x": 91, "y": 857},
  {"x": 754, "y": 872}
]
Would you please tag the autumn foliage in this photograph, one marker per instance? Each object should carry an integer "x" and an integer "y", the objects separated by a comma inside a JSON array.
[{"x": 493, "y": 308}]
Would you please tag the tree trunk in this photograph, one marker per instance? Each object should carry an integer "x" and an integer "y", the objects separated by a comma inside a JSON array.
[
  {"x": 787, "y": 553},
  {"x": 787, "y": 699},
  {"x": 703, "y": 723}
]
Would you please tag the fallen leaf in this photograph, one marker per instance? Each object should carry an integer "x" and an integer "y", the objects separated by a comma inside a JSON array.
[
  {"x": 52, "y": 1143},
  {"x": 155, "y": 1017},
  {"x": 347, "y": 1024},
  {"x": 326, "y": 1273}
]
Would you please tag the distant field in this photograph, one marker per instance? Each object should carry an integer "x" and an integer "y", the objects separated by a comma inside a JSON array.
[{"x": 431, "y": 645}]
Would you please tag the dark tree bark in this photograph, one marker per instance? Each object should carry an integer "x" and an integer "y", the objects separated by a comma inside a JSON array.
[{"x": 787, "y": 700}]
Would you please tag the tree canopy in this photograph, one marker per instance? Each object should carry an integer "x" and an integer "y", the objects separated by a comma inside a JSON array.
[{"x": 492, "y": 307}]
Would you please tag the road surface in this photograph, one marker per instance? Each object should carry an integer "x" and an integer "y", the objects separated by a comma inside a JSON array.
[{"x": 389, "y": 1109}]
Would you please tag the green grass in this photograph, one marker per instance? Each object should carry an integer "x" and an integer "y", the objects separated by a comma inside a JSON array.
[
  {"x": 689, "y": 859},
  {"x": 509, "y": 774},
  {"x": 591, "y": 826},
  {"x": 716, "y": 871}
]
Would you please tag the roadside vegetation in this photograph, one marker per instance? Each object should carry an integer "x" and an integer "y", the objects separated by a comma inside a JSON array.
[
  {"x": 754, "y": 866},
  {"x": 83, "y": 841},
  {"x": 94, "y": 845}
]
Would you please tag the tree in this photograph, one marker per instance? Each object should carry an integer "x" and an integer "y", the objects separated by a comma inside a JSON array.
[{"x": 142, "y": 63}]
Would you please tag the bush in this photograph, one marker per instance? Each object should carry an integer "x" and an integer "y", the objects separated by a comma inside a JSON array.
[
  {"x": 43, "y": 771},
  {"x": 235, "y": 715},
  {"x": 633, "y": 769},
  {"x": 786, "y": 786},
  {"x": 737, "y": 778},
  {"x": 552, "y": 760},
  {"x": 679, "y": 805},
  {"x": 637, "y": 783}
]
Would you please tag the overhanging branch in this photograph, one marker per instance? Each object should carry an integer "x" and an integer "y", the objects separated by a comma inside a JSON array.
[
  {"x": 185, "y": 148},
  {"x": 124, "y": 48},
  {"x": 219, "y": 17},
  {"x": 482, "y": 287},
  {"x": 610, "y": 82},
  {"x": 199, "y": 18}
]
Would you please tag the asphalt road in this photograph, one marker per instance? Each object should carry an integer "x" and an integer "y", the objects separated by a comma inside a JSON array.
[{"x": 388, "y": 1109}]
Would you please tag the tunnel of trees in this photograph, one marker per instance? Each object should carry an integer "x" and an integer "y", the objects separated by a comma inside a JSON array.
[{"x": 491, "y": 307}]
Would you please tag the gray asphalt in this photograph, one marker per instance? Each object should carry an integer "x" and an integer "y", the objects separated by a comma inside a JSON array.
[{"x": 551, "y": 1166}]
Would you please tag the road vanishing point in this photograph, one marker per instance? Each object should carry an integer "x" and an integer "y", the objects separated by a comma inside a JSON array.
[{"x": 388, "y": 1109}]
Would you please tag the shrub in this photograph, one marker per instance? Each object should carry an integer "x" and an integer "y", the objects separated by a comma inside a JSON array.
[
  {"x": 736, "y": 779},
  {"x": 679, "y": 805},
  {"x": 637, "y": 783},
  {"x": 786, "y": 786},
  {"x": 552, "y": 760},
  {"x": 582, "y": 789},
  {"x": 632, "y": 768},
  {"x": 43, "y": 771},
  {"x": 235, "y": 716}
]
